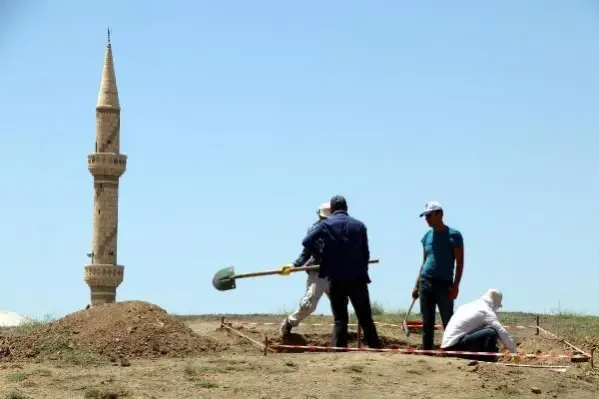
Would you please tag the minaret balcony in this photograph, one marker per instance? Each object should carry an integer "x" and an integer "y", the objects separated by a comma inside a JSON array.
[
  {"x": 107, "y": 164},
  {"x": 103, "y": 275}
]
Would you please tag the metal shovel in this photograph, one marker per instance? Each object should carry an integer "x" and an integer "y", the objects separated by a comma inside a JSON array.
[
  {"x": 405, "y": 320},
  {"x": 224, "y": 280}
]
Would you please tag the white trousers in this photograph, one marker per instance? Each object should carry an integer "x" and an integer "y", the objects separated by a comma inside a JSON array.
[{"x": 315, "y": 287}]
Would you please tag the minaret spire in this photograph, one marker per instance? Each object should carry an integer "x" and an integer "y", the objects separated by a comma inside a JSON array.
[{"x": 109, "y": 95}]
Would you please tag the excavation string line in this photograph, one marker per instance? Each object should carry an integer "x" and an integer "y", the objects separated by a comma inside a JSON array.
[
  {"x": 438, "y": 326},
  {"x": 242, "y": 335},
  {"x": 534, "y": 366},
  {"x": 268, "y": 346},
  {"x": 565, "y": 342},
  {"x": 415, "y": 326},
  {"x": 429, "y": 352}
]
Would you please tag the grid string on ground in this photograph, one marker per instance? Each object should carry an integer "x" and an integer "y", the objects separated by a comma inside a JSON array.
[
  {"x": 242, "y": 335},
  {"x": 378, "y": 323},
  {"x": 534, "y": 366},
  {"x": 432, "y": 352},
  {"x": 564, "y": 341},
  {"x": 266, "y": 347}
]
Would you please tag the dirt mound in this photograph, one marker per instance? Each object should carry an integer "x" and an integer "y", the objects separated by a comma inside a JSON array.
[{"x": 132, "y": 329}]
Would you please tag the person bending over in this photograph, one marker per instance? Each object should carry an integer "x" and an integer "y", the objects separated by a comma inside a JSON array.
[{"x": 474, "y": 327}]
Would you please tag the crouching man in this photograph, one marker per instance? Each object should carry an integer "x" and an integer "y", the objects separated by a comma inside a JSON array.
[{"x": 474, "y": 327}]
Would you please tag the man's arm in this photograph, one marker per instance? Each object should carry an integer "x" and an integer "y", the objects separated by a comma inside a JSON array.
[
  {"x": 303, "y": 258},
  {"x": 311, "y": 240},
  {"x": 421, "y": 267},
  {"x": 416, "y": 285},
  {"x": 492, "y": 321},
  {"x": 458, "y": 252},
  {"x": 306, "y": 255},
  {"x": 365, "y": 246}
]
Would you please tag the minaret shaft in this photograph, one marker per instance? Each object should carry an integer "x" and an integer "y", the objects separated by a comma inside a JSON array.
[
  {"x": 108, "y": 130},
  {"x": 106, "y": 165},
  {"x": 106, "y": 216}
]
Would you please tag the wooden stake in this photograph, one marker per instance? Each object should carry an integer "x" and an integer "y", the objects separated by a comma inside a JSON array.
[
  {"x": 537, "y": 333},
  {"x": 265, "y": 345},
  {"x": 222, "y": 321}
]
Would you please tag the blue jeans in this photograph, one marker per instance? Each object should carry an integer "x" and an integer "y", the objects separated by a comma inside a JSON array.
[
  {"x": 433, "y": 294},
  {"x": 481, "y": 340}
]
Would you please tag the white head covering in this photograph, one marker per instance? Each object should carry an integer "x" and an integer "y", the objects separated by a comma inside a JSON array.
[
  {"x": 324, "y": 210},
  {"x": 494, "y": 298}
]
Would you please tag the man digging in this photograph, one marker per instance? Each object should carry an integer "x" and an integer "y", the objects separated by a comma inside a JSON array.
[{"x": 315, "y": 285}]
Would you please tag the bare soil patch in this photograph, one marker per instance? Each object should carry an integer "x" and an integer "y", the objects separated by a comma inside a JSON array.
[{"x": 217, "y": 363}]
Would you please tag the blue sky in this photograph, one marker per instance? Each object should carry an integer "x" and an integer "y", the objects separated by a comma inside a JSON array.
[{"x": 239, "y": 118}]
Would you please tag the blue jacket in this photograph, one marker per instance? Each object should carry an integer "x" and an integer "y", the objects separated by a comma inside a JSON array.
[
  {"x": 345, "y": 252},
  {"x": 307, "y": 257}
]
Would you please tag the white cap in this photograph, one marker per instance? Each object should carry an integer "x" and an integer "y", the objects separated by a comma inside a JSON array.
[
  {"x": 431, "y": 206},
  {"x": 324, "y": 210},
  {"x": 494, "y": 297}
]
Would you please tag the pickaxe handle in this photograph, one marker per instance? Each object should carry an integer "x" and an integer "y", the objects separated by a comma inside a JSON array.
[
  {"x": 278, "y": 271},
  {"x": 405, "y": 320}
]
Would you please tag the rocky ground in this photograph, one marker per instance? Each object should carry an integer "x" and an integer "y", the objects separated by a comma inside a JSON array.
[{"x": 137, "y": 350}]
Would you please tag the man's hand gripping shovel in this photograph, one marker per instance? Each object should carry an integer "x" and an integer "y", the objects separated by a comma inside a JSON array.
[{"x": 224, "y": 279}]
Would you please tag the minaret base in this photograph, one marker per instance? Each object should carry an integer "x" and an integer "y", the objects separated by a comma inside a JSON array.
[
  {"x": 102, "y": 295},
  {"x": 103, "y": 281}
]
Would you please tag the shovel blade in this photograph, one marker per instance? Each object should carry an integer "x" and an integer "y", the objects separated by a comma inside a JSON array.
[{"x": 222, "y": 280}]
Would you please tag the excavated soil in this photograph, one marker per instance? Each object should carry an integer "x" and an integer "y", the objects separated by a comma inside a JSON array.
[
  {"x": 316, "y": 339},
  {"x": 309, "y": 339},
  {"x": 132, "y": 329}
]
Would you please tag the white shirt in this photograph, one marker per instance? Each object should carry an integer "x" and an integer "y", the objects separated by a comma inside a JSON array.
[{"x": 472, "y": 316}]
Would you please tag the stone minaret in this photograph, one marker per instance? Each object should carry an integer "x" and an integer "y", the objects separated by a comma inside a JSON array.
[{"x": 106, "y": 165}]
